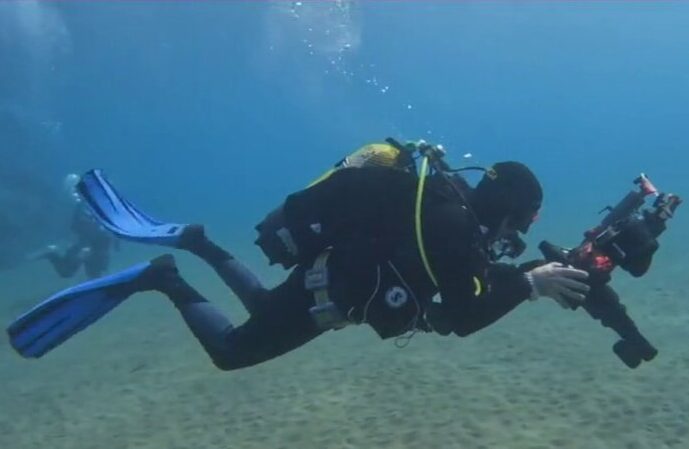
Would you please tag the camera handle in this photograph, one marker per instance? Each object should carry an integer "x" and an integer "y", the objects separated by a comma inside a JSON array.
[{"x": 603, "y": 304}]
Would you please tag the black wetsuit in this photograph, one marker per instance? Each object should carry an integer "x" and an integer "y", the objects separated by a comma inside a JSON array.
[
  {"x": 366, "y": 216},
  {"x": 90, "y": 236}
]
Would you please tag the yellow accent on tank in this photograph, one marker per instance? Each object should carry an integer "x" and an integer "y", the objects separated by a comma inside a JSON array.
[
  {"x": 374, "y": 154},
  {"x": 322, "y": 177},
  {"x": 371, "y": 155}
]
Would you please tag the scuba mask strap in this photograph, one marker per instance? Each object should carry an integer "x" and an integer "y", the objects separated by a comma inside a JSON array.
[{"x": 489, "y": 171}]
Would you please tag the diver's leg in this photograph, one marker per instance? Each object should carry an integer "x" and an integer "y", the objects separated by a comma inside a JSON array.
[
  {"x": 96, "y": 262},
  {"x": 238, "y": 277},
  {"x": 281, "y": 323},
  {"x": 119, "y": 216},
  {"x": 67, "y": 264}
]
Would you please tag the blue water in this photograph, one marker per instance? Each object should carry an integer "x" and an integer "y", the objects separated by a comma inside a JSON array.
[{"x": 213, "y": 111}]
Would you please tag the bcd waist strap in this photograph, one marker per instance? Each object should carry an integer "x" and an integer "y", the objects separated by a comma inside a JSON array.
[{"x": 325, "y": 313}]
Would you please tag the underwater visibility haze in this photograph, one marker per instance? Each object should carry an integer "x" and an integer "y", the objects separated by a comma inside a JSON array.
[{"x": 213, "y": 112}]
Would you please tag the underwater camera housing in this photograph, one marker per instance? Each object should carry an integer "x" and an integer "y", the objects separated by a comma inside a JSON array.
[{"x": 626, "y": 237}]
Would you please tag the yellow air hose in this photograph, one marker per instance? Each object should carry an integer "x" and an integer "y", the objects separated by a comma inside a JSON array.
[
  {"x": 419, "y": 231},
  {"x": 417, "y": 220}
]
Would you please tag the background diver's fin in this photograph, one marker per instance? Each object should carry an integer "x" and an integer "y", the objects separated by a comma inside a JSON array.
[
  {"x": 58, "y": 318},
  {"x": 121, "y": 217}
]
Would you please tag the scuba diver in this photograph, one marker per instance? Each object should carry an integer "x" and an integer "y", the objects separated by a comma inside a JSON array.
[
  {"x": 90, "y": 249},
  {"x": 372, "y": 241}
]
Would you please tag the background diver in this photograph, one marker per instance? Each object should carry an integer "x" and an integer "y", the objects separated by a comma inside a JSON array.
[
  {"x": 371, "y": 242},
  {"x": 91, "y": 247}
]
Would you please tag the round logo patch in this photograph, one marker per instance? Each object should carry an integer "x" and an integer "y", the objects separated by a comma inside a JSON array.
[{"x": 396, "y": 297}]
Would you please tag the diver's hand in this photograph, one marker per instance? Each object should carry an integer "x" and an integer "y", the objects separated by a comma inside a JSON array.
[{"x": 559, "y": 282}]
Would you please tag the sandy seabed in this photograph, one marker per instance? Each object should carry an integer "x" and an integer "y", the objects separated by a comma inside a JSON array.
[{"x": 541, "y": 378}]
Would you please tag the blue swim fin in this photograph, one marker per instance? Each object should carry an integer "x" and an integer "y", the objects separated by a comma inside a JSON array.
[
  {"x": 58, "y": 318},
  {"x": 121, "y": 217}
]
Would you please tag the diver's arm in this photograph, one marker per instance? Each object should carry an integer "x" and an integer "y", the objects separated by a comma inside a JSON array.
[
  {"x": 506, "y": 289},
  {"x": 464, "y": 312},
  {"x": 459, "y": 266}
]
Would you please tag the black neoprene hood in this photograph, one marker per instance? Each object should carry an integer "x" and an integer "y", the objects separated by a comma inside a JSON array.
[{"x": 508, "y": 189}]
